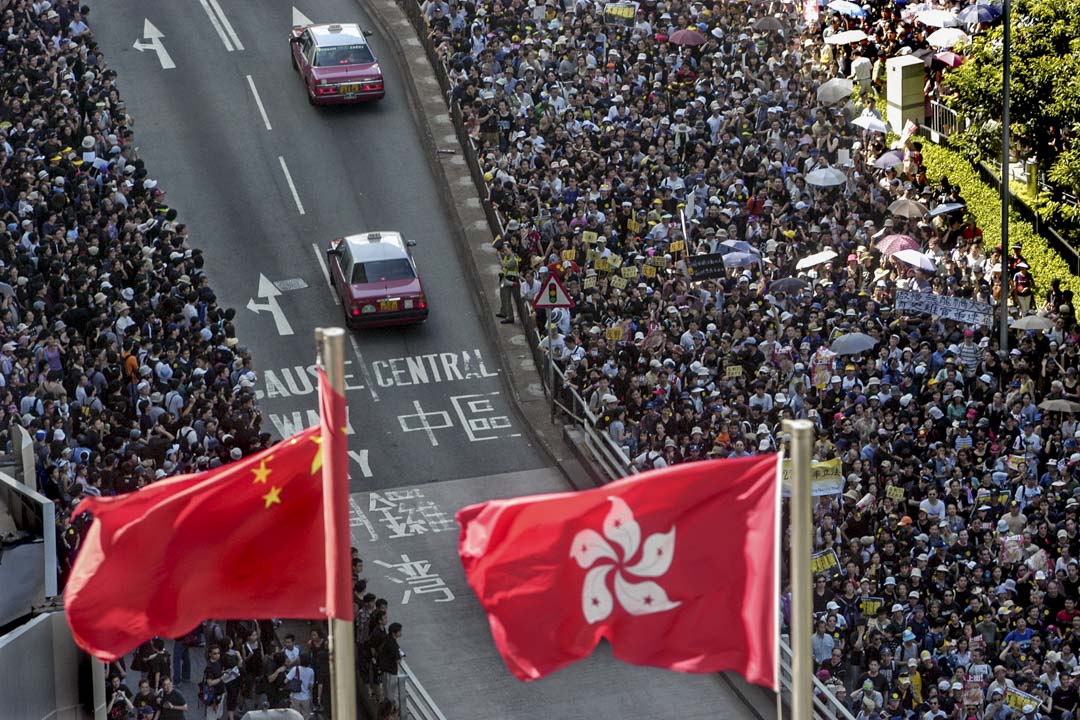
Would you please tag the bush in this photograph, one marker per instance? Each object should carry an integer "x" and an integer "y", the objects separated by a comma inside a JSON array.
[{"x": 984, "y": 202}]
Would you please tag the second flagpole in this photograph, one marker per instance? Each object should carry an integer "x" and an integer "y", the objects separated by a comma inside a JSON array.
[
  {"x": 802, "y": 608},
  {"x": 331, "y": 349}
]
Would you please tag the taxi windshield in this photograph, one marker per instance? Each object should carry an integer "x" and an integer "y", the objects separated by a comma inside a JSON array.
[
  {"x": 343, "y": 55},
  {"x": 382, "y": 271}
]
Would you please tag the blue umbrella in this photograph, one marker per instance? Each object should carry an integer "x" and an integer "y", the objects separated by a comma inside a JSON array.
[
  {"x": 845, "y": 7},
  {"x": 741, "y": 259},
  {"x": 979, "y": 14}
]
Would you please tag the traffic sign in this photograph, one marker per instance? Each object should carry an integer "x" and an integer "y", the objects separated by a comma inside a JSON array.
[{"x": 552, "y": 295}]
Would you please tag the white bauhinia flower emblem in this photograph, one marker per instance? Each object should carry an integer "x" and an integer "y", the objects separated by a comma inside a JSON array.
[{"x": 591, "y": 549}]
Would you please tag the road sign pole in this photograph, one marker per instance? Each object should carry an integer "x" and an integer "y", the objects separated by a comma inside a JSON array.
[{"x": 551, "y": 377}]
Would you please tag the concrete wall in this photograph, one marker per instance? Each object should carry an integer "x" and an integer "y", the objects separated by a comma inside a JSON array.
[{"x": 39, "y": 672}]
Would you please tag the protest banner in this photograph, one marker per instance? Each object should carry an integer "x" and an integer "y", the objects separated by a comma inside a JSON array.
[
  {"x": 1017, "y": 699},
  {"x": 869, "y": 606},
  {"x": 569, "y": 255},
  {"x": 969, "y": 312},
  {"x": 706, "y": 267},
  {"x": 620, "y": 14},
  {"x": 826, "y": 562},
  {"x": 826, "y": 478}
]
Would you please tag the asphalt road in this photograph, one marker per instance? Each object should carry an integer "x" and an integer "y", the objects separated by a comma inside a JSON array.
[
  {"x": 426, "y": 403},
  {"x": 432, "y": 427}
]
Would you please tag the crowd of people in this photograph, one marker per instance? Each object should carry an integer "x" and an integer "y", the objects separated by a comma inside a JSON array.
[
  {"x": 251, "y": 665},
  {"x": 622, "y": 148}
]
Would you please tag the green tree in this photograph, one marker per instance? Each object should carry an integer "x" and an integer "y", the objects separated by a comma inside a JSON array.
[{"x": 1044, "y": 91}]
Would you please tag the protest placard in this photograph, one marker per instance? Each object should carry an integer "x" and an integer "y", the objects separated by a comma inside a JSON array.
[
  {"x": 826, "y": 562},
  {"x": 706, "y": 267},
  {"x": 826, "y": 478},
  {"x": 968, "y": 312}
]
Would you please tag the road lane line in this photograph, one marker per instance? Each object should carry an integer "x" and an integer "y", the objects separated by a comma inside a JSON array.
[
  {"x": 292, "y": 187},
  {"x": 364, "y": 372},
  {"x": 259, "y": 102},
  {"x": 217, "y": 25},
  {"x": 325, "y": 272},
  {"x": 227, "y": 25}
]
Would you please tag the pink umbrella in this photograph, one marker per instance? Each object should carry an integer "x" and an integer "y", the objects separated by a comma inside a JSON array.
[
  {"x": 687, "y": 37},
  {"x": 895, "y": 243},
  {"x": 949, "y": 58}
]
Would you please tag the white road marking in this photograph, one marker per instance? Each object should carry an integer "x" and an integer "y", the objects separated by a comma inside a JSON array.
[
  {"x": 364, "y": 372},
  {"x": 259, "y": 102},
  {"x": 217, "y": 25},
  {"x": 269, "y": 291},
  {"x": 359, "y": 519},
  {"x": 292, "y": 187},
  {"x": 425, "y": 424},
  {"x": 361, "y": 458},
  {"x": 325, "y": 272},
  {"x": 227, "y": 25},
  {"x": 154, "y": 35},
  {"x": 299, "y": 18}
]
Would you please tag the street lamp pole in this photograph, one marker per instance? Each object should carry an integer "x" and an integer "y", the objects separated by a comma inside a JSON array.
[{"x": 1006, "y": 68}]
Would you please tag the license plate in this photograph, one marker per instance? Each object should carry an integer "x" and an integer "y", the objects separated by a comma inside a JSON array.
[
  {"x": 350, "y": 88},
  {"x": 388, "y": 305}
]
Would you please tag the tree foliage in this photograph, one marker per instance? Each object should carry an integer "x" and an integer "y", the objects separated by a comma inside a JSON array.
[{"x": 1044, "y": 88}]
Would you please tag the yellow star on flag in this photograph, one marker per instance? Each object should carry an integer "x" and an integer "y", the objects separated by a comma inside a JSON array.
[
  {"x": 262, "y": 472},
  {"x": 316, "y": 462},
  {"x": 272, "y": 497}
]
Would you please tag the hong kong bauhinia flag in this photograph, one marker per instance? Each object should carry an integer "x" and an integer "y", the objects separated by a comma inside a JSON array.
[
  {"x": 245, "y": 540},
  {"x": 676, "y": 568}
]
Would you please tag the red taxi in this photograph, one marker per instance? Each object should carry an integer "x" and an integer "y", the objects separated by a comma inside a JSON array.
[
  {"x": 375, "y": 276},
  {"x": 337, "y": 64}
]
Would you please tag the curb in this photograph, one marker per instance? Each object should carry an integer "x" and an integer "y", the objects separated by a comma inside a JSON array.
[{"x": 463, "y": 208}]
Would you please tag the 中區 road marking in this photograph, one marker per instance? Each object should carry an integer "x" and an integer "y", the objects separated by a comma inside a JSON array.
[
  {"x": 222, "y": 25},
  {"x": 153, "y": 37},
  {"x": 292, "y": 187},
  {"x": 259, "y": 102}
]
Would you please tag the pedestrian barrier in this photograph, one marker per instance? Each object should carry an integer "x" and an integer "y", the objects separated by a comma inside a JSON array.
[
  {"x": 826, "y": 706},
  {"x": 412, "y": 700}
]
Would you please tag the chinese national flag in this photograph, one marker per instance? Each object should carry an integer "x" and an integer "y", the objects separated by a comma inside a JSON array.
[
  {"x": 676, "y": 568},
  {"x": 245, "y": 540}
]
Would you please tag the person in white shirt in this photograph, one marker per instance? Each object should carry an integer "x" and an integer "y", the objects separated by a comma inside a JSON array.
[
  {"x": 932, "y": 505},
  {"x": 300, "y": 699}
]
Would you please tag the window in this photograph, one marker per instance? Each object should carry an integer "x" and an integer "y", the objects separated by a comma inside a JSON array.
[
  {"x": 376, "y": 271},
  {"x": 343, "y": 55}
]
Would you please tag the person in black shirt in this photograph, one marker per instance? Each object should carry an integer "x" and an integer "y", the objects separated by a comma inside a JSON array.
[
  {"x": 1065, "y": 697},
  {"x": 117, "y": 698},
  {"x": 172, "y": 704}
]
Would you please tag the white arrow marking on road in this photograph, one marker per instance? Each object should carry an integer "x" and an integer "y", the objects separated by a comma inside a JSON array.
[
  {"x": 269, "y": 291},
  {"x": 154, "y": 36},
  {"x": 299, "y": 18}
]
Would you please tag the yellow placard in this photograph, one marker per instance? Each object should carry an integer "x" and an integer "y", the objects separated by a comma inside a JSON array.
[
  {"x": 618, "y": 282},
  {"x": 603, "y": 265},
  {"x": 569, "y": 255},
  {"x": 826, "y": 478},
  {"x": 1017, "y": 699},
  {"x": 648, "y": 271},
  {"x": 633, "y": 226},
  {"x": 894, "y": 492},
  {"x": 588, "y": 237},
  {"x": 733, "y": 371},
  {"x": 629, "y": 272},
  {"x": 589, "y": 282},
  {"x": 826, "y": 562},
  {"x": 658, "y": 260},
  {"x": 615, "y": 260},
  {"x": 591, "y": 256},
  {"x": 870, "y": 606},
  {"x": 614, "y": 333},
  {"x": 677, "y": 246}
]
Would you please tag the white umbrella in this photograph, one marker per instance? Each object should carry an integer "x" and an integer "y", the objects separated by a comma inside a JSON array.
[
  {"x": 1033, "y": 322},
  {"x": 835, "y": 90},
  {"x": 916, "y": 259},
  {"x": 852, "y": 344},
  {"x": 890, "y": 159},
  {"x": 818, "y": 258},
  {"x": 908, "y": 208},
  {"x": 846, "y": 37},
  {"x": 938, "y": 19},
  {"x": 844, "y": 7},
  {"x": 948, "y": 37},
  {"x": 871, "y": 123},
  {"x": 826, "y": 177}
]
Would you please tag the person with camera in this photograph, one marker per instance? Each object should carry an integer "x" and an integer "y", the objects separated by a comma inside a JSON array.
[
  {"x": 118, "y": 699},
  {"x": 212, "y": 688},
  {"x": 275, "y": 685},
  {"x": 172, "y": 704}
]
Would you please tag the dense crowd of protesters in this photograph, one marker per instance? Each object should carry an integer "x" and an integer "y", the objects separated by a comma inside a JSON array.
[{"x": 948, "y": 584}]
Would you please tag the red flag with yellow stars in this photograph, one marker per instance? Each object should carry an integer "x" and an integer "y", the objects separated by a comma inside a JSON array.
[{"x": 245, "y": 540}]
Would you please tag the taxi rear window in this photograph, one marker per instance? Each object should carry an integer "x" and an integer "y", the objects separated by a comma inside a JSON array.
[
  {"x": 376, "y": 271},
  {"x": 343, "y": 55}
]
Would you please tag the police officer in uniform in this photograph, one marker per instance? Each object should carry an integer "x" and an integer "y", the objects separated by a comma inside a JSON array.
[{"x": 509, "y": 274}]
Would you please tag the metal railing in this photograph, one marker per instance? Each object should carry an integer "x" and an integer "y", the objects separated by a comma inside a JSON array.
[
  {"x": 944, "y": 120},
  {"x": 826, "y": 706},
  {"x": 413, "y": 701}
]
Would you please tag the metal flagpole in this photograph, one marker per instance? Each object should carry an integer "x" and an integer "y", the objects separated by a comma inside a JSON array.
[
  {"x": 551, "y": 368},
  {"x": 331, "y": 344},
  {"x": 802, "y": 608},
  {"x": 1006, "y": 71}
]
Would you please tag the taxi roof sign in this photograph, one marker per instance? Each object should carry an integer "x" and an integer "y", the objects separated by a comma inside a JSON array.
[{"x": 552, "y": 295}]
